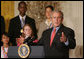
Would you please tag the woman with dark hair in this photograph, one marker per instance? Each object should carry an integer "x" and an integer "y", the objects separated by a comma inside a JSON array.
[
  {"x": 4, "y": 48},
  {"x": 27, "y": 36}
]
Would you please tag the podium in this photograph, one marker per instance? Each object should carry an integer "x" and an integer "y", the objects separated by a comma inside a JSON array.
[{"x": 35, "y": 52}]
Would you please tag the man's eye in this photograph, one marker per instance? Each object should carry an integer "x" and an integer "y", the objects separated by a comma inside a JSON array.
[
  {"x": 54, "y": 17},
  {"x": 59, "y": 17},
  {"x": 26, "y": 29}
]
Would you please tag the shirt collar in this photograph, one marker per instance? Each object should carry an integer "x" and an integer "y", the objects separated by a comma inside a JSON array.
[
  {"x": 48, "y": 23},
  {"x": 26, "y": 37},
  {"x": 22, "y": 17},
  {"x": 57, "y": 28}
]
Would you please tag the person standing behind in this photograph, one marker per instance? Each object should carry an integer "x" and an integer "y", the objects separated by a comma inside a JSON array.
[
  {"x": 46, "y": 23},
  {"x": 2, "y": 26},
  {"x": 17, "y": 23}
]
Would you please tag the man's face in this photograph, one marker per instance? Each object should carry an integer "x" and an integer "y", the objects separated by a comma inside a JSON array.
[
  {"x": 48, "y": 12},
  {"x": 22, "y": 8},
  {"x": 56, "y": 19}
]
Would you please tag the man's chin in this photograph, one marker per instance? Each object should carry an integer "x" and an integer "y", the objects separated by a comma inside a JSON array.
[{"x": 56, "y": 25}]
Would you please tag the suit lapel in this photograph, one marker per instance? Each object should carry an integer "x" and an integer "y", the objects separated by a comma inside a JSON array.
[
  {"x": 50, "y": 31},
  {"x": 27, "y": 20},
  {"x": 19, "y": 22},
  {"x": 60, "y": 30}
]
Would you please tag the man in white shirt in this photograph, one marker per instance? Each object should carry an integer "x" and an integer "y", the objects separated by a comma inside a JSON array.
[
  {"x": 17, "y": 23},
  {"x": 46, "y": 24}
]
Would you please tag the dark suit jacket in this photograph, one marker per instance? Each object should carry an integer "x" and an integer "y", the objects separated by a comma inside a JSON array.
[
  {"x": 15, "y": 27},
  {"x": 2, "y": 26},
  {"x": 58, "y": 49}
]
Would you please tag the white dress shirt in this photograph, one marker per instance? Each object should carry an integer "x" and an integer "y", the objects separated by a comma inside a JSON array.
[
  {"x": 48, "y": 23},
  {"x": 22, "y": 23}
]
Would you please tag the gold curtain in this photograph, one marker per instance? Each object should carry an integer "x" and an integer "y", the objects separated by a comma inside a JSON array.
[{"x": 7, "y": 11}]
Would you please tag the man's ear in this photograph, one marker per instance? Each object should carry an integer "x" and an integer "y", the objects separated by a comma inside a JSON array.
[
  {"x": 18, "y": 8},
  {"x": 62, "y": 20},
  {"x": 26, "y": 8}
]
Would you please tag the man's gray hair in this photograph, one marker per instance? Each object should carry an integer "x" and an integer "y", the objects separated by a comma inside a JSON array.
[{"x": 58, "y": 11}]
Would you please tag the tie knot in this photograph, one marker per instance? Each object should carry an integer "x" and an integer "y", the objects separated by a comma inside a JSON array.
[
  {"x": 22, "y": 18},
  {"x": 54, "y": 29}
]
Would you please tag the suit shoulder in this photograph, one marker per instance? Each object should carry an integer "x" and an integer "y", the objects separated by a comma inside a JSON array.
[
  {"x": 68, "y": 29},
  {"x": 47, "y": 30},
  {"x": 30, "y": 18},
  {"x": 14, "y": 19}
]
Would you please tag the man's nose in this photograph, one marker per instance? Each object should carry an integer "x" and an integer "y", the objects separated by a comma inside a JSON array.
[
  {"x": 56, "y": 19},
  {"x": 23, "y": 8}
]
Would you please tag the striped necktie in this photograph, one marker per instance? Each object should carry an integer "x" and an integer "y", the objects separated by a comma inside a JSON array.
[{"x": 23, "y": 22}]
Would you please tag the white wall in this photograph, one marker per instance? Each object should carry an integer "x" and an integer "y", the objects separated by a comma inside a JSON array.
[{"x": 73, "y": 18}]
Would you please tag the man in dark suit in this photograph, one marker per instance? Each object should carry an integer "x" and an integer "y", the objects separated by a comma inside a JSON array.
[
  {"x": 2, "y": 26},
  {"x": 58, "y": 40},
  {"x": 17, "y": 23}
]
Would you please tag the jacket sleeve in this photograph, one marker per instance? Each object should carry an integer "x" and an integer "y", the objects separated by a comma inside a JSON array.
[
  {"x": 11, "y": 32},
  {"x": 71, "y": 39},
  {"x": 2, "y": 25},
  {"x": 41, "y": 40}
]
